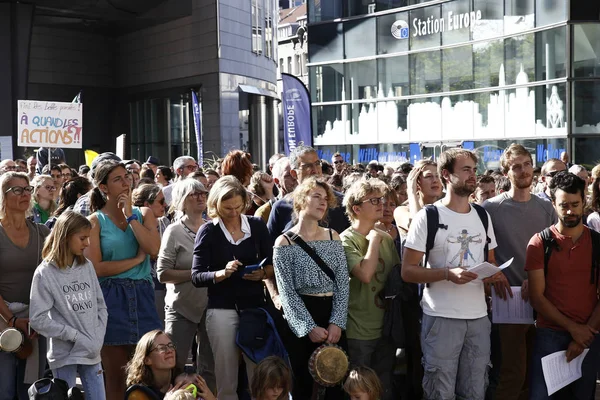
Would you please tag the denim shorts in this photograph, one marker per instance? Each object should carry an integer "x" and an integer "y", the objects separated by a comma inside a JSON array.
[{"x": 131, "y": 310}]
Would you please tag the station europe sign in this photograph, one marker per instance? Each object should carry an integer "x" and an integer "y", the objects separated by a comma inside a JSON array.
[{"x": 432, "y": 25}]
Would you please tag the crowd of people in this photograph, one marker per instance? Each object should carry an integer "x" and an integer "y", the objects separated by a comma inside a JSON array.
[{"x": 150, "y": 281}]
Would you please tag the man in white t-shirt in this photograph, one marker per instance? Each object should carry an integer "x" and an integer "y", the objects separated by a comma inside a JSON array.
[{"x": 455, "y": 332}]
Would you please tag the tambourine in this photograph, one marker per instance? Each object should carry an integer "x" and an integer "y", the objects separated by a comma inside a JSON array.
[
  {"x": 328, "y": 365},
  {"x": 13, "y": 340}
]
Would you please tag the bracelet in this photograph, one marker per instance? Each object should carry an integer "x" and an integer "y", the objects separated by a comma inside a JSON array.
[
  {"x": 446, "y": 270},
  {"x": 13, "y": 320}
]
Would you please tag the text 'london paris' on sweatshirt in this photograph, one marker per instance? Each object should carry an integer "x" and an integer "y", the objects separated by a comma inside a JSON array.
[{"x": 67, "y": 306}]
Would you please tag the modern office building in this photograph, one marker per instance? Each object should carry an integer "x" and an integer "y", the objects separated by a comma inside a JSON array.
[
  {"x": 401, "y": 79},
  {"x": 137, "y": 63}
]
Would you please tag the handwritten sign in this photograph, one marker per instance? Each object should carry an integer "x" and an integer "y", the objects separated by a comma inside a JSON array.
[{"x": 49, "y": 124}]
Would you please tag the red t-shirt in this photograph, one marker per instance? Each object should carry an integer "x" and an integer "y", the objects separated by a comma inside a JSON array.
[{"x": 568, "y": 285}]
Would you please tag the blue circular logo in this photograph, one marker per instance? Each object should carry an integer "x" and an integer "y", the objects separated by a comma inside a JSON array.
[{"x": 400, "y": 29}]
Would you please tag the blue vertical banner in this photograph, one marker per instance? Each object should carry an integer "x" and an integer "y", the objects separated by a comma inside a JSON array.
[
  {"x": 198, "y": 127},
  {"x": 296, "y": 113}
]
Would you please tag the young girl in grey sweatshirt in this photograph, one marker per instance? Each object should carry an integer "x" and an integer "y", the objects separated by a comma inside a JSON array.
[{"x": 67, "y": 306}]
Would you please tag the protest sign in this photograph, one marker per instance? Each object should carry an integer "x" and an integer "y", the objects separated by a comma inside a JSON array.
[{"x": 49, "y": 124}]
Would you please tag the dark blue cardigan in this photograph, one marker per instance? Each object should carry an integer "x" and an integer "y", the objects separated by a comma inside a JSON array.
[{"x": 212, "y": 251}]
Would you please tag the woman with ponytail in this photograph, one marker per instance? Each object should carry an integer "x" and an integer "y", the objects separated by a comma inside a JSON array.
[{"x": 122, "y": 240}]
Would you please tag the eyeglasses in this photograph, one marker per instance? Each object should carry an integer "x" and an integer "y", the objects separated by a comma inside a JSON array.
[
  {"x": 375, "y": 201},
  {"x": 163, "y": 348},
  {"x": 552, "y": 174},
  {"x": 18, "y": 190},
  {"x": 9, "y": 168},
  {"x": 50, "y": 188},
  {"x": 316, "y": 165},
  {"x": 198, "y": 195},
  {"x": 191, "y": 167}
]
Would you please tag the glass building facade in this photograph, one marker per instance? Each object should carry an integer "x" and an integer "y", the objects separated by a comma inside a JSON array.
[{"x": 398, "y": 80}]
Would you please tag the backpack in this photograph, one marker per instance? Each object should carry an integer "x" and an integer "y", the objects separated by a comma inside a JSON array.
[
  {"x": 433, "y": 224},
  {"x": 549, "y": 242},
  {"x": 257, "y": 335},
  {"x": 53, "y": 389}
]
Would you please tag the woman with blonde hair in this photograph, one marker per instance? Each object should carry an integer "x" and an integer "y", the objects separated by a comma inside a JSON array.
[
  {"x": 315, "y": 306},
  {"x": 123, "y": 238},
  {"x": 423, "y": 186},
  {"x": 152, "y": 374},
  {"x": 21, "y": 243},
  {"x": 43, "y": 198},
  {"x": 223, "y": 249},
  {"x": 67, "y": 306},
  {"x": 185, "y": 305}
]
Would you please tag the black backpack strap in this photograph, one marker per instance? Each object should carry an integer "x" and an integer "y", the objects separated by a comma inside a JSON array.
[
  {"x": 549, "y": 245},
  {"x": 433, "y": 224},
  {"x": 483, "y": 216},
  {"x": 310, "y": 251},
  {"x": 595, "y": 257}
]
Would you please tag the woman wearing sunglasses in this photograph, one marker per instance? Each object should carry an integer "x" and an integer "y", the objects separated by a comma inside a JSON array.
[
  {"x": 43, "y": 198},
  {"x": 152, "y": 374},
  {"x": 21, "y": 243}
]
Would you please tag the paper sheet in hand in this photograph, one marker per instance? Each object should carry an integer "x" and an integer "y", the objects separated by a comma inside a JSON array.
[
  {"x": 513, "y": 310},
  {"x": 485, "y": 269},
  {"x": 558, "y": 373}
]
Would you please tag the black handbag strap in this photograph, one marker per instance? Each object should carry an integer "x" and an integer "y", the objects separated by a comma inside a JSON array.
[{"x": 310, "y": 251}]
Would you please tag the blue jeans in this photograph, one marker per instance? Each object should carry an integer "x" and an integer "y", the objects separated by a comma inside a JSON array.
[
  {"x": 548, "y": 341},
  {"x": 12, "y": 373},
  {"x": 91, "y": 377}
]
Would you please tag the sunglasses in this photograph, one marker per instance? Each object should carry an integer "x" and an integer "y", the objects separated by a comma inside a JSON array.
[
  {"x": 552, "y": 174},
  {"x": 338, "y": 162}
]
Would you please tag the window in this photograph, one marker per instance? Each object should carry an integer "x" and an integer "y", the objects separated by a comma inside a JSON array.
[
  {"x": 257, "y": 28},
  {"x": 289, "y": 65},
  {"x": 268, "y": 29},
  {"x": 326, "y": 83},
  {"x": 304, "y": 62},
  {"x": 549, "y": 12},
  {"x": 586, "y": 50},
  {"x": 518, "y": 16},
  {"x": 281, "y": 70},
  {"x": 326, "y": 43},
  {"x": 298, "y": 65},
  {"x": 360, "y": 38}
]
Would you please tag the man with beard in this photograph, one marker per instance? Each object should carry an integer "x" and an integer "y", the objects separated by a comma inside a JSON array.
[
  {"x": 455, "y": 332},
  {"x": 563, "y": 291},
  {"x": 517, "y": 216}
]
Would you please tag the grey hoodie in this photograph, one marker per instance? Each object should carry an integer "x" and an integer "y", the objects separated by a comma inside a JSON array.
[{"x": 67, "y": 306}]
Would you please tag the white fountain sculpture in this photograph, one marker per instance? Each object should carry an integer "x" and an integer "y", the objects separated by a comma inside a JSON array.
[{"x": 508, "y": 115}]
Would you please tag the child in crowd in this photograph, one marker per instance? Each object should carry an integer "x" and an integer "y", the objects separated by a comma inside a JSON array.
[
  {"x": 272, "y": 380},
  {"x": 363, "y": 384},
  {"x": 67, "y": 306}
]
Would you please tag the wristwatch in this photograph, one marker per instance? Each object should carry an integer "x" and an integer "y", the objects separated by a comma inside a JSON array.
[{"x": 133, "y": 217}]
